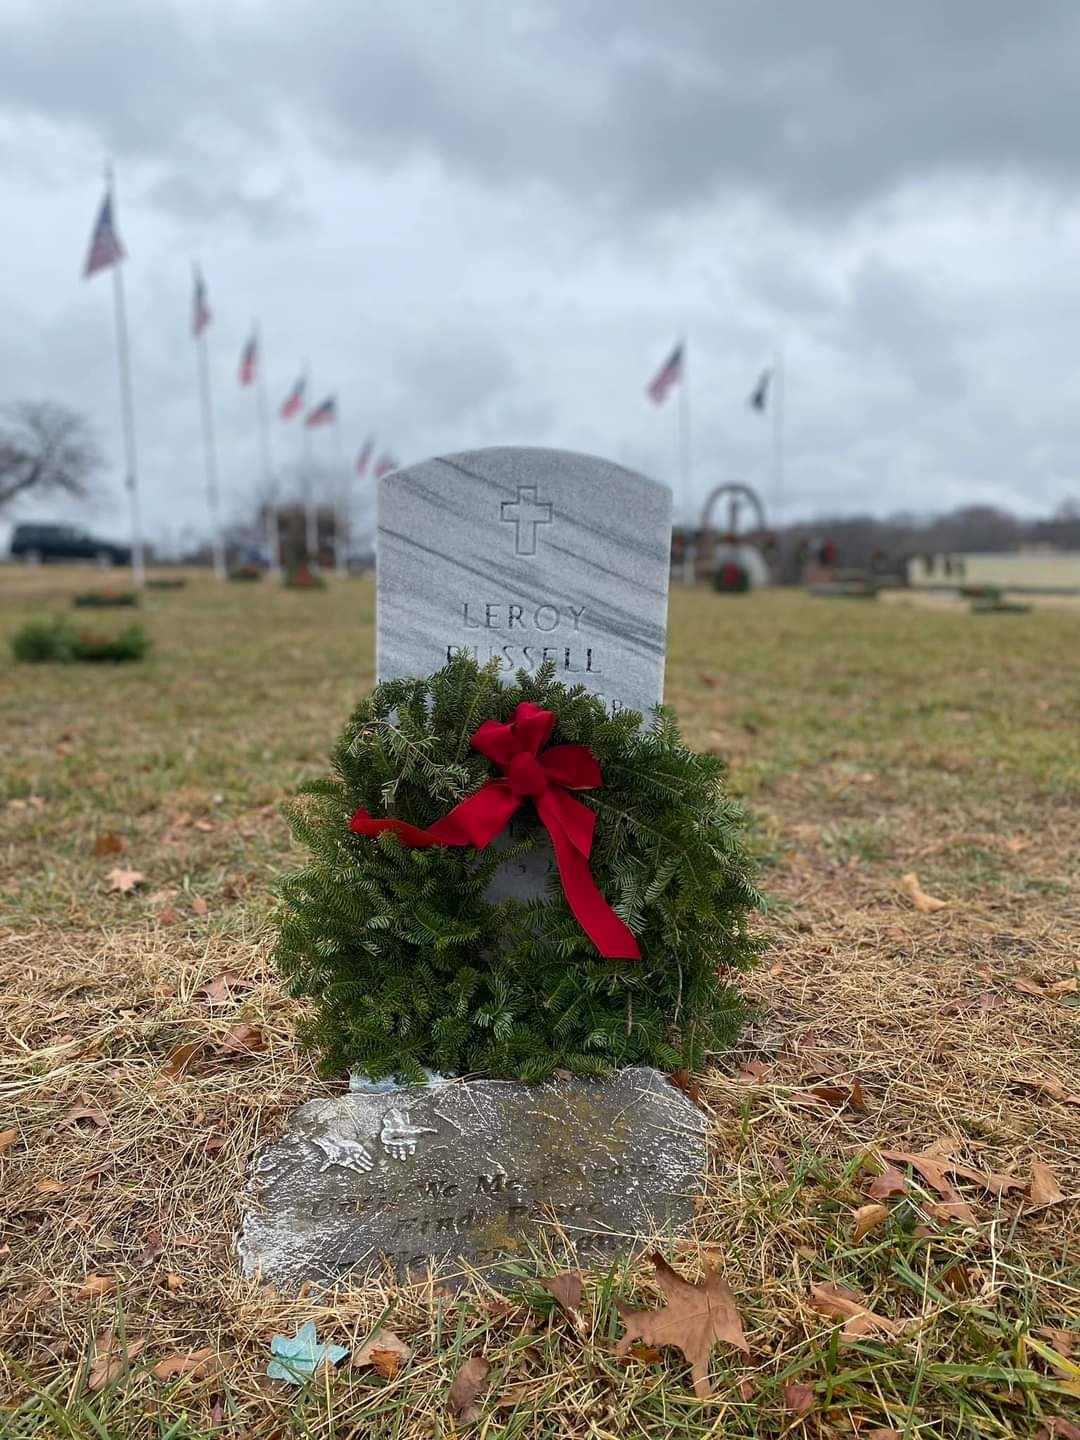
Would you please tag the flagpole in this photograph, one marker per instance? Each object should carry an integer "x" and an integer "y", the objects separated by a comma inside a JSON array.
[
  {"x": 778, "y": 438},
  {"x": 127, "y": 411},
  {"x": 311, "y": 515},
  {"x": 269, "y": 482},
  {"x": 213, "y": 494},
  {"x": 341, "y": 526},
  {"x": 684, "y": 438}
]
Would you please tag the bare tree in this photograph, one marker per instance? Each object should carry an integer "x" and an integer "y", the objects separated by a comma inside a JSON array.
[{"x": 45, "y": 448}]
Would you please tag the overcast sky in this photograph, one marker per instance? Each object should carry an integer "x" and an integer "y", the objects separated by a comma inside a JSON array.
[{"x": 487, "y": 221}]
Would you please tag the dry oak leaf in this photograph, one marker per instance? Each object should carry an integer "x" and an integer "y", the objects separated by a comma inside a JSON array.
[
  {"x": 1057, "y": 1429},
  {"x": 110, "y": 1361},
  {"x": 1064, "y": 987},
  {"x": 109, "y": 844},
  {"x": 889, "y": 1183},
  {"x": 384, "y": 1352},
  {"x": 923, "y": 902},
  {"x": 565, "y": 1289},
  {"x": 840, "y": 1303},
  {"x": 219, "y": 990},
  {"x": 694, "y": 1319},
  {"x": 467, "y": 1384},
  {"x": 124, "y": 881},
  {"x": 867, "y": 1218},
  {"x": 7, "y": 1139},
  {"x": 1063, "y": 1341},
  {"x": 799, "y": 1399},
  {"x": 199, "y": 905},
  {"x": 182, "y": 1058},
  {"x": 1044, "y": 1188},
  {"x": 95, "y": 1285},
  {"x": 683, "y": 1080},
  {"x": 97, "y": 1119},
  {"x": 243, "y": 1040},
  {"x": 196, "y": 1363},
  {"x": 935, "y": 1164},
  {"x": 1027, "y": 986},
  {"x": 838, "y": 1097}
]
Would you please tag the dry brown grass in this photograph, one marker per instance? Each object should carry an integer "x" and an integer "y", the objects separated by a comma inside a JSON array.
[{"x": 843, "y": 731}]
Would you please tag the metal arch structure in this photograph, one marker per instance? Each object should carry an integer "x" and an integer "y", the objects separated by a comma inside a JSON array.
[{"x": 736, "y": 493}]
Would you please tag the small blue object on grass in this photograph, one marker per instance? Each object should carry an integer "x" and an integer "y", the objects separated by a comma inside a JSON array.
[{"x": 301, "y": 1356}]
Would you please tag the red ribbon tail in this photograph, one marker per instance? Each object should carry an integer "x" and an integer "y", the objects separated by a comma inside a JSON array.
[
  {"x": 411, "y": 835},
  {"x": 592, "y": 912}
]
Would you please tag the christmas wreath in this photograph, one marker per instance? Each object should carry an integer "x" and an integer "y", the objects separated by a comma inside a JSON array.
[{"x": 408, "y": 960}]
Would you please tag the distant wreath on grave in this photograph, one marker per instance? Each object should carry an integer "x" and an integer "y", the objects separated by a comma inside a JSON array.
[{"x": 408, "y": 964}]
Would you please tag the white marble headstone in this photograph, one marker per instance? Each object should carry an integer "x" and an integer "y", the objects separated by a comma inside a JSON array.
[{"x": 528, "y": 555}]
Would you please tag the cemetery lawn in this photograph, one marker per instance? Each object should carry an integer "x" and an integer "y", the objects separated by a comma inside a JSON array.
[{"x": 147, "y": 1047}]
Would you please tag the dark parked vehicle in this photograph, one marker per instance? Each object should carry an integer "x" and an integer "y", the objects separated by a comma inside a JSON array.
[{"x": 38, "y": 543}]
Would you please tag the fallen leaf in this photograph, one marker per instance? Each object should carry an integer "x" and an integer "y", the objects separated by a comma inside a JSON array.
[
  {"x": 1016, "y": 845},
  {"x": 168, "y": 916},
  {"x": 948, "y": 1211},
  {"x": 974, "y": 1004},
  {"x": 221, "y": 989},
  {"x": 746, "y": 1390},
  {"x": 1063, "y": 1341},
  {"x": 565, "y": 1289},
  {"x": 840, "y": 1303},
  {"x": 838, "y": 1097},
  {"x": 384, "y": 1352},
  {"x": 1044, "y": 1188},
  {"x": 694, "y": 1319},
  {"x": 96, "y": 1285},
  {"x": 889, "y": 1183},
  {"x": 467, "y": 1384},
  {"x": 204, "y": 825},
  {"x": 85, "y": 1115},
  {"x": 110, "y": 1361},
  {"x": 1027, "y": 986},
  {"x": 934, "y": 1165},
  {"x": 109, "y": 844},
  {"x": 199, "y": 905},
  {"x": 196, "y": 1363},
  {"x": 1057, "y": 1429},
  {"x": 243, "y": 1040},
  {"x": 774, "y": 971},
  {"x": 152, "y": 1249},
  {"x": 927, "y": 904},
  {"x": 684, "y": 1081},
  {"x": 799, "y": 1399},
  {"x": 867, "y": 1218},
  {"x": 124, "y": 881},
  {"x": 958, "y": 1279},
  {"x": 647, "y": 1354},
  {"x": 7, "y": 1139},
  {"x": 1063, "y": 987},
  {"x": 752, "y": 1072},
  {"x": 172, "y": 1282},
  {"x": 181, "y": 1059}
]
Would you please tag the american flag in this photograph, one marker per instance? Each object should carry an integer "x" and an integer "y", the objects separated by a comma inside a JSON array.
[
  {"x": 105, "y": 247},
  {"x": 249, "y": 360},
  {"x": 760, "y": 395},
  {"x": 385, "y": 465},
  {"x": 200, "y": 310},
  {"x": 669, "y": 374},
  {"x": 322, "y": 414},
  {"x": 363, "y": 460},
  {"x": 294, "y": 401}
]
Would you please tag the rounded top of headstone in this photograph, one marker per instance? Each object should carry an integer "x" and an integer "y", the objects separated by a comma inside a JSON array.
[{"x": 520, "y": 462}]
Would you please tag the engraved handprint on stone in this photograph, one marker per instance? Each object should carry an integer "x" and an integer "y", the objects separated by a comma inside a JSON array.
[
  {"x": 399, "y": 1135},
  {"x": 349, "y": 1154}
]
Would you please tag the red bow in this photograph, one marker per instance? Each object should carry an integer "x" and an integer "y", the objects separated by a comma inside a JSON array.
[{"x": 546, "y": 778}]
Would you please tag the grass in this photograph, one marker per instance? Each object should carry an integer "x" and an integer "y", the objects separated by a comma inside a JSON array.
[{"x": 868, "y": 741}]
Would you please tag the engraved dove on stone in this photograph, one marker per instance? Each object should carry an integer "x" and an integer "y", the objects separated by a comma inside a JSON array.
[
  {"x": 349, "y": 1154},
  {"x": 399, "y": 1135}
]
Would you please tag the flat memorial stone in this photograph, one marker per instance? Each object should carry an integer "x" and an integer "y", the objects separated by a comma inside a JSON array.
[{"x": 471, "y": 1170}]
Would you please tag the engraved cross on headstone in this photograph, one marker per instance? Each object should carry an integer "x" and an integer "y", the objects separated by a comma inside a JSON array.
[{"x": 525, "y": 514}]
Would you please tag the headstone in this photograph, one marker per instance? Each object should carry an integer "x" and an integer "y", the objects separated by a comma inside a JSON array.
[
  {"x": 525, "y": 556},
  {"x": 478, "y": 1171}
]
